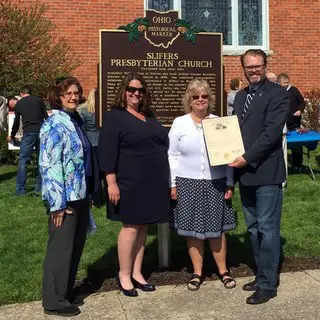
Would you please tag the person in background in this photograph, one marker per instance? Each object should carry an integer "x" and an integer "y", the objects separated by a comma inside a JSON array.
[
  {"x": 87, "y": 113},
  {"x": 203, "y": 193},
  {"x": 235, "y": 86},
  {"x": 133, "y": 155},
  {"x": 296, "y": 108},
  {"x": 11, "y": 104},
  {"x": 271, "y": 77},
  {"x": 262, "y": 110},
  {"x": 33, "y": 112},
  {"x": 12, "y": 101},
  {"x": 66, "y": 168},
  {"x": 3, "y": 115}
]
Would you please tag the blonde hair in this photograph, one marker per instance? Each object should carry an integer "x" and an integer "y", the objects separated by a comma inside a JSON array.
[
  {"x": 193, "y": 88},
  {"x": 91, "y": 100}
]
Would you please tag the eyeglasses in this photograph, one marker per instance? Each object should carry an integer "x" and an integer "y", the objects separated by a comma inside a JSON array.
[
  {"x": 251, "y": 68},
  {"x": 197, "y": 97},
  {"x": 134, "y": 89},
  {"x": 68, "y": 95}
]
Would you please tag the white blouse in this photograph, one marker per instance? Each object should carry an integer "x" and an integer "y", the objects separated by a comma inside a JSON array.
[{"x": 188, "y": 155}]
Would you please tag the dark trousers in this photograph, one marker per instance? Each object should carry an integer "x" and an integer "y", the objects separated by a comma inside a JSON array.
[
  {"x": 29, "y": 142},
  {"x": 297, "y": 157},
  {"x": 64, "y": 250},
  {"x": 262, "y": 210},
  {"x": 297, "y": 153}
]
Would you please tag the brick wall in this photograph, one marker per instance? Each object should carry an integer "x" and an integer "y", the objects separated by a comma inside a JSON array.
[
  {"x": 295, "y": 41},
  {"x": 294, "y": 36}
]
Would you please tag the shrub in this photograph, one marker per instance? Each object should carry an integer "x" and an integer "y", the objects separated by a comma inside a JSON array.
[{"x": 7, "y": 156}]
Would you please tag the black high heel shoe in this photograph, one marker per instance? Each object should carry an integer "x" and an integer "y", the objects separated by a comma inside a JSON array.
[
  {"x": 143, "y": 287},
  {"x": 130, "y": 292}
]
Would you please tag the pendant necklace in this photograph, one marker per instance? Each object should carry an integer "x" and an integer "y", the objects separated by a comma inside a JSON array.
[{"x": 197, "y": 125}]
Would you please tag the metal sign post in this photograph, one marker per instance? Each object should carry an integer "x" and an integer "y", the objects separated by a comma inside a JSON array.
[{"x": 164, "y": 245}]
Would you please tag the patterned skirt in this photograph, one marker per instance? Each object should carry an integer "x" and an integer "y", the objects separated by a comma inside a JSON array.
[{"x": 201, "y": 210}]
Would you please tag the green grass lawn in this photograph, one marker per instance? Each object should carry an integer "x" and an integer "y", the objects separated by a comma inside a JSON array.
[{"x": 23, "y": 235}]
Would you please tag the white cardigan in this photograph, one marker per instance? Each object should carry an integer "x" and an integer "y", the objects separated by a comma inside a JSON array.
[{"x": 188, "y": 155}]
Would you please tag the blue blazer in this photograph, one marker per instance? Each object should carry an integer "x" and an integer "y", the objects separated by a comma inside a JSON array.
[
  {"x": 61, "y": 162},
  {"x": 261, "y": 130}
]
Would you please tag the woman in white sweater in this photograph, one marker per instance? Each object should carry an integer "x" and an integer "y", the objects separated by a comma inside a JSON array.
[{"x": 203, "y": 209}]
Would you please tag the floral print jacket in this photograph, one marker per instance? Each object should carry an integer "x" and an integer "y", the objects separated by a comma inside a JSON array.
[{"x": 61, "y": 162}]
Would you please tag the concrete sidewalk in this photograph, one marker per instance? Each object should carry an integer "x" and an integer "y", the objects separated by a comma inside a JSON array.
[{"x": 298, "y": 298}]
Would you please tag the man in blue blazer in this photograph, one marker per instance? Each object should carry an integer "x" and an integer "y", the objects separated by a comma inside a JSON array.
[{"x": 262, "y": 109}]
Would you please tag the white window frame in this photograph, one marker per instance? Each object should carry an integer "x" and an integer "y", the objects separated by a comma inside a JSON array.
[{"x": 235, "y": 48}]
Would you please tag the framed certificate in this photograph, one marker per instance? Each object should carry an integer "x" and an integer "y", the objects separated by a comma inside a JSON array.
[{"x": 223, "y": 139}]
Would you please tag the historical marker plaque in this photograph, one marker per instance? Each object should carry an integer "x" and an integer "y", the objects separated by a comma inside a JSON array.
[{"x": 168, "y": 53}]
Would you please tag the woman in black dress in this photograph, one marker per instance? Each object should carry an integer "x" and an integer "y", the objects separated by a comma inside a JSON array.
[{"x": 133, "y": 154}]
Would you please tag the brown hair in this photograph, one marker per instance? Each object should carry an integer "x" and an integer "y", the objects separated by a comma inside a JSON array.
[
  {"x": 235, "y": 83},
  {"x": 254, "y": 52},
  {"x": 120, "y": 101},
  {"x": 61, "y": 86},
  {"x": 283, "y": 76},
  {"x": 193, "y": 88}
]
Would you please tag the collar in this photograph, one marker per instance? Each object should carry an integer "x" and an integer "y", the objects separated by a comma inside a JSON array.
[{"x": 75, "y": 116}]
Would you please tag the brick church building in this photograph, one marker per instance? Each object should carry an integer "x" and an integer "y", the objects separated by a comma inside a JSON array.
[{"x": 287, "y": 30}]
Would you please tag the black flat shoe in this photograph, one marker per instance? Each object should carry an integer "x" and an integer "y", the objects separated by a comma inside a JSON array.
[
  {"x": 143, "y": 287},
  {"x": 261, "y": 296},
  {"x": 64, "y": 312},
  {"x": 130, "y": 292},
  {"x": 250, "y": 286},
  {"x": 77, "y": 301}
]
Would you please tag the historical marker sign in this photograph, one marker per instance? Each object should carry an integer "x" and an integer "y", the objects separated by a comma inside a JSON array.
[{"x": 168, "y": 53}]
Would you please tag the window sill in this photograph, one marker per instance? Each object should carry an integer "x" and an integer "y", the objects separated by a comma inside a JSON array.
[{"x": 239, "y": 52}]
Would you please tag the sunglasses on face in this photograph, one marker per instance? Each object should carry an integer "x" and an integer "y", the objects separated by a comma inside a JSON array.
[
  {"x": 134, "y": 89},
  {"x": 197, "y": 97}
]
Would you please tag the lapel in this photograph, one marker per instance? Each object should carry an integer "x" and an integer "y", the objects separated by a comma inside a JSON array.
[{"x": 254, "y": 103}]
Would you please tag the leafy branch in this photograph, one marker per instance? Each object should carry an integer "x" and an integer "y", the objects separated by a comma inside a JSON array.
[
  {"x": 189, "y": 32},
  {"x": 136, "y": 28}
]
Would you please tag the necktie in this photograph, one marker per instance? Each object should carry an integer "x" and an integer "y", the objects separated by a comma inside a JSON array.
[{"x": 250, "y": 97}]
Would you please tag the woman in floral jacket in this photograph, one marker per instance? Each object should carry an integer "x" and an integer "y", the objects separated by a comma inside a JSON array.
[{"x": 66, "y": 167}]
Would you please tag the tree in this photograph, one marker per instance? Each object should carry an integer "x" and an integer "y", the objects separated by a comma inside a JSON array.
[{"x": 30, "y": 54}]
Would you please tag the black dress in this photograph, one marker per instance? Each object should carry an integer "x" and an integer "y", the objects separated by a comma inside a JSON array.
[{"x": 136, "y": 151}]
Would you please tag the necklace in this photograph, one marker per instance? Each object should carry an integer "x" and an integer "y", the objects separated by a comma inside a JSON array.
[{"x": 197, "y": 125}]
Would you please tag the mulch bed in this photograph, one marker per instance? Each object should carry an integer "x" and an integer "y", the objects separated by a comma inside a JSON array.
[{"x": 103, "y": 282}]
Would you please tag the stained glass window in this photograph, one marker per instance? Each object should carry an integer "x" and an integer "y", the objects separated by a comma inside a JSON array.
[
  {"x": 242, "y": 22},
  {"x": 210, "y": 15},
  {"x": 250, "y": 22},
  {"x": 160, "y": 5}
]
